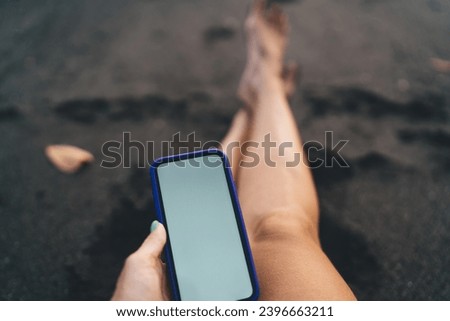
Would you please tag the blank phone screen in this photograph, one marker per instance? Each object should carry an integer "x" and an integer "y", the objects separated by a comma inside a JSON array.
[{"x": 207, "y": 250}]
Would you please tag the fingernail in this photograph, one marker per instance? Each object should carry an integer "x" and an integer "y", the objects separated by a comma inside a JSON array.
[{"x": 154, "y": 225}]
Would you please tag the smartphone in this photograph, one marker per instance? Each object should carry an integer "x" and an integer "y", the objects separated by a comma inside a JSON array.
[{"x": 207, "y": 252}]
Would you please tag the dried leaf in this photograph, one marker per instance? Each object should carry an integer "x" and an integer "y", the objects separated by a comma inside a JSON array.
[{"x": 68, "y": 159}]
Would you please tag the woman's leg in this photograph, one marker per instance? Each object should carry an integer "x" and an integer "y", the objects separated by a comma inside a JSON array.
[
  {"x": 279, "y": 200},
  {"x": 236, "y": 135},
  {"x": 238, "y": 132}
]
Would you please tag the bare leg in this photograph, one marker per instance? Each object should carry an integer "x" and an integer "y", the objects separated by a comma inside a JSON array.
[
  {"x": 279, "y": 202},
  {"x": 239, "y": 129},
  {"x": 236, "y": 135}
]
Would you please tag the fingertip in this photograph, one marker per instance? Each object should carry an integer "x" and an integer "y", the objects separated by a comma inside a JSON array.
[
  {"x": 161, "y": 231},
  {"x": 154, "y": 226},
  {"x": 155, "y": 241},
  {"x": 157, "y": 228}
]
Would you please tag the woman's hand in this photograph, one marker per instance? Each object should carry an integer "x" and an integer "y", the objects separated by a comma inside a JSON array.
[{"x": 144, "y": 275}]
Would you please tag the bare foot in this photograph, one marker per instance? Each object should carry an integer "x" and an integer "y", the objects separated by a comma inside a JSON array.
[{"x": 266, "y": 31}]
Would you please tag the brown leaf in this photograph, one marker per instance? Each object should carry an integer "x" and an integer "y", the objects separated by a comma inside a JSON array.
[
  {"x": 68, "y": 159},
  {"x": 440, "y": 65}
]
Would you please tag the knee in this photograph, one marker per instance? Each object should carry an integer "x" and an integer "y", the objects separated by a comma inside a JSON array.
[{"x": 285, "y": 226}]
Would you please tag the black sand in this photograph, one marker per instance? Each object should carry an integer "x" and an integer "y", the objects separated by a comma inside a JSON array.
[{"x": 83, "y": 72}]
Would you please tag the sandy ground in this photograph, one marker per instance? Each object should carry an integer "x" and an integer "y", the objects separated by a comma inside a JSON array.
[{"x": 83, "y": 72}]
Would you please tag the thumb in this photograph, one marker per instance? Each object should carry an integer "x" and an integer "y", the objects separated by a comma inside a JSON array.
[{"x": 154, "y": 243}]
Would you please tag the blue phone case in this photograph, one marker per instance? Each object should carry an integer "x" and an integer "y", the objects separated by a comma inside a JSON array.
[{"x": 237, "y": 210}]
